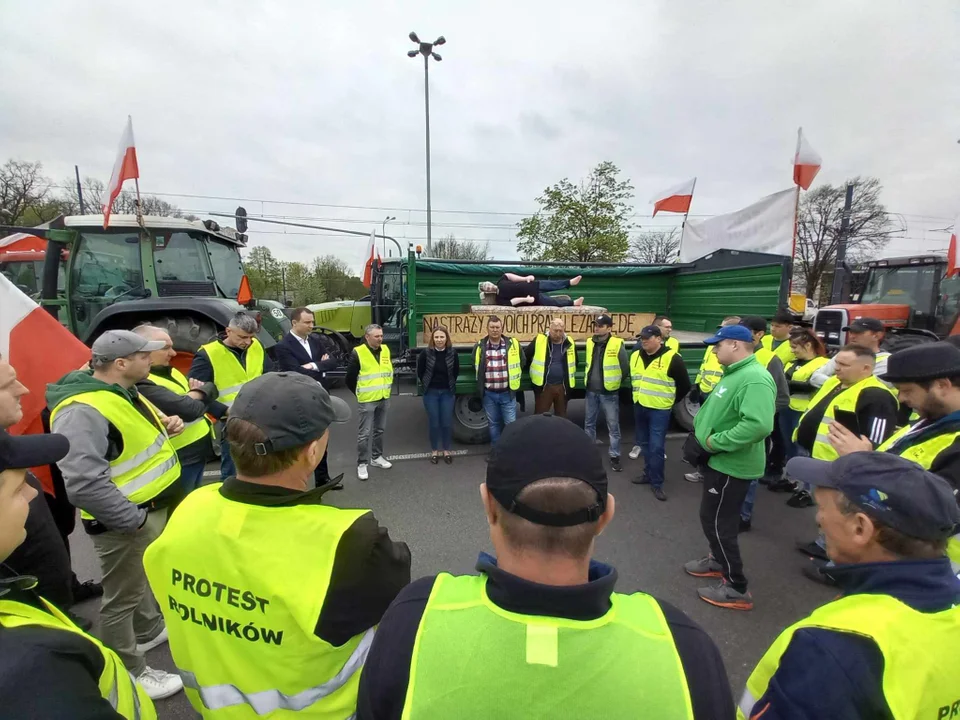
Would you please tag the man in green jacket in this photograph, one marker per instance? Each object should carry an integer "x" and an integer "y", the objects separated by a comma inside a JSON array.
[{"x": 728, "y": 447}]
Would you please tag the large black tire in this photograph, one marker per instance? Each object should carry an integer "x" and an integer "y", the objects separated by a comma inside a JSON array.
[
  {"x": 684, "y": 412},
  {"x": 894, "y": 342},
  {"x": 470, "y": 421},
  {"x": 187, "y": 332}
]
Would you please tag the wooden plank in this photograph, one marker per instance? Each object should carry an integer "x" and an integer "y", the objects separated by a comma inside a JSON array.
[{"x": 466, "y": 328}]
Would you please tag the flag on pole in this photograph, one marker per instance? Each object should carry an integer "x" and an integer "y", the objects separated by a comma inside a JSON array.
[
  {"x": 676, "y": 199},
  {"x": 806, "y": 162},
  {"x": 373, "y": 256},
  {"x": 124, "y": 168},
  {"x": 952, "y": 252},
  {"x": 41, "y": 350}
]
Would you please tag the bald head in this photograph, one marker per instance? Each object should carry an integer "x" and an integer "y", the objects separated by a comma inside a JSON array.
[
  {"x": 557, "y": 330},
  {"x": 163, "y": 356}
]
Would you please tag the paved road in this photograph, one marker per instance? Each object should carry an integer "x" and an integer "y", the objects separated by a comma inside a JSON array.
[{"x": 436, "y": 510}]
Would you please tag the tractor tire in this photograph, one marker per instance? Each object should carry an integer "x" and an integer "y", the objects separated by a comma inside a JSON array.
[
  {"x": 188, "y": 334},
  {"x": 470, "y": 421},
  {"x": 895, "y": 342},
  {"x": 684, "y": 412}
]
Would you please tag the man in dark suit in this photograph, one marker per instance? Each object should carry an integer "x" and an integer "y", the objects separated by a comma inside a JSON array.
[{"x": 303, "y": 352}]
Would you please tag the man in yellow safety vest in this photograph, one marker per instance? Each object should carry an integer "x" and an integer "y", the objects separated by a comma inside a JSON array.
[
  {"x": 499, "y": 363},
  {"x": 552, "y": 359},
  {"x": 540, "y": 632},
  {"x": 121, "y": 472},
  {"x": 666, "y": 332},
  {"x": 607, "y": 365},
  {"x": 889, "y": 647},
  {"x": 228, "y": 361},
  {"x": 777, "y": 340},
  {"x": 261, "y": 626},
  {"x": 370, "y": 377}
]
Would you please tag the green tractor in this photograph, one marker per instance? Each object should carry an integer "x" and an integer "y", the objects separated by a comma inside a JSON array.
[{"x": 182, "y": 275}]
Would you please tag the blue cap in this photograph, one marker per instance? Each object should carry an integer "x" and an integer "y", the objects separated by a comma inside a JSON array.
[{"x": 731, "y": 332}]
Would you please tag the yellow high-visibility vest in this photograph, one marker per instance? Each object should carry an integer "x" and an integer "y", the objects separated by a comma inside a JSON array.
[
  {"x": 538, "y": 365},
  {"x": 783, "y": 351},
  {"x": 375, "y": 381},
  {"x": 525, "y": 666},
  {"x": 148, "y": 463},
  {"x": 921, "y": 653},
  {"x": 241, "y": 604},
  {"x": 228, "y": 374},
  {"x": 513, "y": 361},
  {"x": 612, "y": 373},
  {"x": 800, "y": 401},
  {"x": 710, "y": 371},
  {"x": 672, "y": 344},
  {"x": 192, "y": 431},
  {"x": 652, "y": 386},
  {"x": 764, "y": 356}
]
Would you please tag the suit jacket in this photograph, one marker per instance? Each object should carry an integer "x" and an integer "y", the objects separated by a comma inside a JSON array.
[{"x": 291, "y": 357}]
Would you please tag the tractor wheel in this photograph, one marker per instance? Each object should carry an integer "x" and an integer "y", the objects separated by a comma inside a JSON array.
[
  {"x": 188, "y": 334},
  {"x": 470, "y": 421},
  {"x": 684, "y": 412},
  {"x": 895, "y": 342}
]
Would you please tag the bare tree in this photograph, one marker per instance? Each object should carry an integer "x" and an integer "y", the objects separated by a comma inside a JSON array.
[
  {"x": 452, "y": 249},
  {"x": 22, "y": 186},
  {"x": 818, "y": 228},
  {"x": 657, "y": 247}
]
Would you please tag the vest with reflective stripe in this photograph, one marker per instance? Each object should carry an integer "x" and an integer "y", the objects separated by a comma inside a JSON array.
[
  {"x": 192, "y": 431},
  {"x": 652, "y": 386},
  {"x": 612, "y": 374},
  {"x": 799, "y": 400},
  {"x": 764, "y": 356},
  {"x": 228, "y": 374},
  {"x": 473, "y": 660},
  {"x": 846, "y": 400},
  {"x": 783, "y": 351},
  {"x": 538, "y": 365},
  {"x": 241, "y": 602},
  {"x": 921, "y": 653},
  {"x": 375, "y": 381},
  {"x": 710, "y": 371},
  {"x": 672, "y": 344},
  {"x": 513, "y": 361},
  {"x": 148, "y": 464},
  {"x": 116, "y": 684}
]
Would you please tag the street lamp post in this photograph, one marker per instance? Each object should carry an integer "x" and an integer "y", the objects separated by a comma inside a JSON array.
[
  {"x": 383, "y": 232},
  {"x": 426, "y": 49}
]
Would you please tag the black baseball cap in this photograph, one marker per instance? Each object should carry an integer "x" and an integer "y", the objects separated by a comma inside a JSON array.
[
  {"x": 291, "y": 410},
  {"x": 603, "y": 320},
  {"x": 893, "y": 490},
  {"x": 650, "y": 331},
  {"x": 539, "y": 447},
  {"x": 19, "y": 452},
  {"x": 784, "y": 317},
  {"x": 754, "y": 322},
  {"x": 923, "y": 362},
  {"x": 864, "y": 325}
]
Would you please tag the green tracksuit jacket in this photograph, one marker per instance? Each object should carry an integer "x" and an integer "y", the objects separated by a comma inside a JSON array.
[{"x": 736, "y": 419}]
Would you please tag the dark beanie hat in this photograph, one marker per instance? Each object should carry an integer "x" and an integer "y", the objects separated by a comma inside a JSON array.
[{"x": 923, "y": 362}]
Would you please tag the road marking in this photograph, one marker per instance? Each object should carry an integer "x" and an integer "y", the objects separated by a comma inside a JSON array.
[
  {"x": 425, "y": 455},
  {"x": 211, "y": 473}
]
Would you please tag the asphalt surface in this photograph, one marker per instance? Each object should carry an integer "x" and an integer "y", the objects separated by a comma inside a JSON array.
[{"x": 436, "y": 510}]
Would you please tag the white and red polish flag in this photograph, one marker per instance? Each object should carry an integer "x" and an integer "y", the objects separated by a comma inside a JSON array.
[
  {"x": 676, "y": 199},
  {"x": 124, "y": 168},
  {"x": 806, "y": 162},
  {"x": 41, "y": 350},
  {"x": 952, "y": 265},
  {"x": 373, "y": 256}
]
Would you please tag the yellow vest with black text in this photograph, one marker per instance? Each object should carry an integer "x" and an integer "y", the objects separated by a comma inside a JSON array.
[
  {"x": 228, "y": 374},
  {"x": 473, "y": 660},
  {"x": 193, "y": 431},
  {"x": 672, "y": 344},
  {"x": 921, "y": 654},
  {"x": 783, "y": 351},
  {"x": 538, "y": 365},
  {"x": 612, "y": 373},
  {"x": 846, "y": 400},
  {"x": 513, "y": 361},
  {"x": 799, "y": 400},
  {"x": 710, "y": 373},
  {"x": 148, "y": 463},
  {"x": 652, "y": 386},
  {"x": 241, "y": 601},
  {"x": 116, "y": 684},
  {"x": 375, "y": 381}
]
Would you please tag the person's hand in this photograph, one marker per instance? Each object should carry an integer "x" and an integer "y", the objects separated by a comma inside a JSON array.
[
  {"x": 195, "y": 384},
  {"x": 529, "y": 278},
  {"x": 173, "y": 424},
  {"x": 845, "y": 442},
  {"x": 326, "y": 356},
  {"x": 307, "y": 366}
]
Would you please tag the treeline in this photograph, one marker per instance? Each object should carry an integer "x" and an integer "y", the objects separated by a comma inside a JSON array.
[{"x": 323, "y": 279}]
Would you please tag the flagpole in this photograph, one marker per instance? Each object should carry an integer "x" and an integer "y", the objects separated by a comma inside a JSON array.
[
  {"x": 683, "y": 225},
  {"x": 796, "y": 213},
  {"x": 136, "y": 182}
]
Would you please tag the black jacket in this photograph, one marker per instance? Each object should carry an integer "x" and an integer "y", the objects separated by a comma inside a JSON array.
[
  {"x": 369, "y": 568},
  {"x": 528, "y": 352},
  {"x": 451, "y": 367},
  {"x": 45, "y": 672},
  {"x": 383, "y": 685},
  {"x": 202, "y": 370},
  {"x": 676, "y": 372},
  {"x": 291, "y": 357}
]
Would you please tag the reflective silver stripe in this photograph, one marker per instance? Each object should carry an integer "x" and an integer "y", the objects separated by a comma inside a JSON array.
[
  {"x": 140, "y": 458},
  {"x": 537, "y": 363},
  {"x": 141, "y": 481},
  {"x": 613, "y": 366},
  {"x": 657, "y": 393},
  {"x": 747, "y": 701},
  {"x": 231, "y": 390},
  {"x": 113, "y": 698},
  {"x": 372, "y": 388},
  {"x": 217, "y": 697},
  {"x": 636, "y": 379},
  {"x": 712, "y": 373},
  {"x": 136, "y": 696},
  {"x": 825, "y": 439},
  {"x": 666, "y": 383}
]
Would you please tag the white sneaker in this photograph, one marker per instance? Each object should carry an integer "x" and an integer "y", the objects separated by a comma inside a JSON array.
[
  {"x": 159, "y": 684},
  {"x": 156, "y": 642},
  {"x": 362, "y": 472},
  {"x": 693, "y": 477},
  {"x": 381, "y": 462},
  {"x": 635, "y": 453}
]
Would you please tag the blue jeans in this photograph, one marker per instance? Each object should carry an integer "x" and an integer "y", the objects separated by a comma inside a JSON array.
[
  {"x": 651, "y": 435},
  {"x": 610, "y": 403},
  {"x": 190, "y": 477},
  {"x": 501, "y": 409},
  {"x": 746, "y": 510},
  {"x": 439, "y": 406},
  {"x": 227, "y": 468},
  {"x": 549, "y": 286}
]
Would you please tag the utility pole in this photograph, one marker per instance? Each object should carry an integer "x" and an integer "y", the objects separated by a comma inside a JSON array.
[
  {"x": 426, "y": 49},
  {"x": 837, "y": 294}
]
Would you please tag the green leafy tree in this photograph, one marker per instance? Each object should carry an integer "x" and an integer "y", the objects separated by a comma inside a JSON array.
[
  {"x": 263, "y": 271},
  {"x": 449, "y": 248},
  {"x": 588, "y": 222}
]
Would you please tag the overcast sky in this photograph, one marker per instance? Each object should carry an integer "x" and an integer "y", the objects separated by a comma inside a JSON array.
[{"x": 317, "y": 103}]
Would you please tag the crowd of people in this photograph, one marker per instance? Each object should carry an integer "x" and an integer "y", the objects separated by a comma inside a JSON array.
[{"x": 257, "y": 626}]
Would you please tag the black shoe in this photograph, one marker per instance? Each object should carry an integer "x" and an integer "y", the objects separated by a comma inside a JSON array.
[
  {"x": 615, "y": 464},
  {"x": 818, "y": 571},
  {"x": 745, "y": 525},
  {"x": 83, "y": 591},
  {"x": 659, "y": 494},
  {"x": 80, "y": 622},
  {"x": 781, "y": 485},
  {"x": 642, "y": 480},
  {"x": 813, "y": 550},
  {"x": 800, "y": 499}
]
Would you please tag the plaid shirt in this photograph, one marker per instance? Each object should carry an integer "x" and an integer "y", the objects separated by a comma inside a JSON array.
[{"x": 496, "y": 377}]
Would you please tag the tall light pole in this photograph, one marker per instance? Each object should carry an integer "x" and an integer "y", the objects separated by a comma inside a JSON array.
[
  {"x": 426, "y": 49},
  {"x": 387, "y": 219}
]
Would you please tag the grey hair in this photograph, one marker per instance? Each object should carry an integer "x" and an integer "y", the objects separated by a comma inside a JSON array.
[
  {"x": 244, "y": 322},
  {"x": 370, "y": 328}
]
